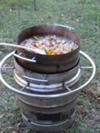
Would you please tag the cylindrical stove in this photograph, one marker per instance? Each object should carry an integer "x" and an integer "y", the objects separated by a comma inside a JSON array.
[
  {"x": 47, "y": 101},
  {"x": 49, "y": 114}
]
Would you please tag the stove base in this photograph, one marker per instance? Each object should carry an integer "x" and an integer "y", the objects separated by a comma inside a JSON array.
[{"x": 48, "y": 126}]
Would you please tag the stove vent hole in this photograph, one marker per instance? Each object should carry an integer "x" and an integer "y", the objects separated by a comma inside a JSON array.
[{"x": 50, "y": 117}]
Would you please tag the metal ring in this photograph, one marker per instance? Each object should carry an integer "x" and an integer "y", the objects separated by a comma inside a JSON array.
[
  {"x": 69, "y": 82},
  {"x": 48, "y": 88},
  {"x": 47, "y": 95}
]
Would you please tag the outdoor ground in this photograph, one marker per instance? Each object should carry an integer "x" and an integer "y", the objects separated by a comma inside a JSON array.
[{"x": 84, "y": 16}]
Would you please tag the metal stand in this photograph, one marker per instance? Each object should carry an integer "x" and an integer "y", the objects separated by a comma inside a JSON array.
[{"x": 92, "y": 67}]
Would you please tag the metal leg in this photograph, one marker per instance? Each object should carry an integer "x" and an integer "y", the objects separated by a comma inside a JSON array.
[{"x": 34, "y": 5}]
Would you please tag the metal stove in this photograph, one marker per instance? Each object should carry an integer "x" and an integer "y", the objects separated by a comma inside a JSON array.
[{"x": 47, "y": 101}]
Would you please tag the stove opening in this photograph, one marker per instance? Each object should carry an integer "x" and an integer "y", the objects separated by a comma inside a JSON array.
[
  {"x": 57, "y": 117},
  {"x": 50, "y": 117}
]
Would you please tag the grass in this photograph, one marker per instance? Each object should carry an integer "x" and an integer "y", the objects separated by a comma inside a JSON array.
[{"x": 84, "y": 16}]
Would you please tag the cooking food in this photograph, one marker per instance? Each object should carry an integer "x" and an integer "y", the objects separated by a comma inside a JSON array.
[{"x": 50, "y": 45}]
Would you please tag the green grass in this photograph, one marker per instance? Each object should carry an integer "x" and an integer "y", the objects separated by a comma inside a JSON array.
[{"x": 84, "y": 16}]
